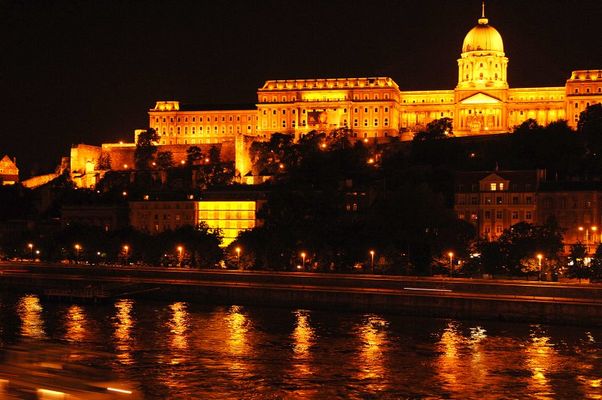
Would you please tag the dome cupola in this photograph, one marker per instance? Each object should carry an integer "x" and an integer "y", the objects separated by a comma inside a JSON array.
[
  {"x": 482, "y": 63},
  {"x": 483, "y": 37}
]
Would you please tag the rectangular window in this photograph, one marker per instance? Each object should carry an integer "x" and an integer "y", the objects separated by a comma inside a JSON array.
[
  {"x": 514, "y": 214},
  {"x": 498, "y": 200},
  {"x": 493, "y": 187},
  {"x": 529, "y": 199},
  {"x": 528, "y": 215},
  {"x": 487, "y": 214},
  {"x": 515, "y": 200},
  {"x": 499, "y": 215}
]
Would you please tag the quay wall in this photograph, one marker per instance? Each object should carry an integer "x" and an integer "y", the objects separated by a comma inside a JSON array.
[{"x": 555, "y": 304}]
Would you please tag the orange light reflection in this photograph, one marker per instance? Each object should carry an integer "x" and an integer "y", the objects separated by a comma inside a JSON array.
[{"x": 30, "y": 312}]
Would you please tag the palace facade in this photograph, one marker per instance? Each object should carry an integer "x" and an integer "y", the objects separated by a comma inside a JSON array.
[{"x": 481, "y": 103}]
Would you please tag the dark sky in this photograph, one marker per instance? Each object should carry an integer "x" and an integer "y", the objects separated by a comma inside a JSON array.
[{"x": 87, "y": 71}]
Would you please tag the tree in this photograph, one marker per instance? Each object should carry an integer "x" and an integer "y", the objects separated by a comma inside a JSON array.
[
  {"x": 145, "y": 148},
  {"x": 165, "y": 159},
  {"x": 596, "y": 265},
  {"x": 104, "y": 161},
  {"x": 514, "y": 252},
  {"x": 194, "y": 154},
  {"x": 441, "y": 128},
  {"x": 576, "y": 265},
  {"x": 214, "y": 155},
  {"x": 528, "y": 126},
  {"x": 590, "y": 126}
]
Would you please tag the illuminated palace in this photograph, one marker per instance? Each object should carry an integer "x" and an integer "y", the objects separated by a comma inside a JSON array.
[{"x": 482, "y": 103}]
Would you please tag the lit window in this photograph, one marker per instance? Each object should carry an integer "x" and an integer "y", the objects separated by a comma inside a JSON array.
[{"x": 493, "y": 186}]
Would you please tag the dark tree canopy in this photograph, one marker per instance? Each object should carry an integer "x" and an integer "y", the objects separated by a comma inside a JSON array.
[{"x": 145, "y": 149}]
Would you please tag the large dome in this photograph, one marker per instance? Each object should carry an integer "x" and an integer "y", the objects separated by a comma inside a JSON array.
[{"x": 483, "y": 37}]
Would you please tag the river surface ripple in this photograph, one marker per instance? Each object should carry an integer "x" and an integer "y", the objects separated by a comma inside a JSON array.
[{"x": 181, "y": 350}]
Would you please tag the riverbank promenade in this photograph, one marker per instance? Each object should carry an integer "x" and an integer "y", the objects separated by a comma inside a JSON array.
[{"x": 512, "y": 300}]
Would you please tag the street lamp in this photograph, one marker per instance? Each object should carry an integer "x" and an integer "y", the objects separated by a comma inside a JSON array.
[
  {"x": 372, "y": 260},
  {"x": 587, "y": 229},
  {"x": 30, "y": 245},
  {"x": 77, "y": 250},
  {"x": 238, "y": 256},
  {"x": 180, "y": 251},
  {"x": 451, "y": 263},
  {"x": 539, "y": 257},
  {"x": 303, "y": 258},
  {"x": 126, "y": 253}
]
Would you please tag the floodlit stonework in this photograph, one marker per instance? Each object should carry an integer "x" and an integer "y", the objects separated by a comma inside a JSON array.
[
  {"x": 9, "y": 173},
  {"x": 373, "y": 108}
]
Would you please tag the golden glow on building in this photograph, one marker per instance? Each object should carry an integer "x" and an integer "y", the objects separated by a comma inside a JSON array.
[
  {"x": 230, "y": 217},
  {"x": 374, "y": 107},
  {"x": 9, "y": 173}
]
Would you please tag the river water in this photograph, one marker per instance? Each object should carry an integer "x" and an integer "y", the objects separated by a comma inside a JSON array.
[{"x": 180, "y": 350}]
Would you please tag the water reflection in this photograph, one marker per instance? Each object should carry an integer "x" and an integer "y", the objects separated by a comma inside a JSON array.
[
  {"x": 373, "y": 338},
  {"x": 238, "y": 329},
  {"x": 303, "y": 338},
  {"x": 540, "y": 353},
  {"x": 76, "y": 329},
  {"x": 448, "y": 364},
  {"x": 30, "y": 313},
  {"x": 183, "y": 351},
  {"x": 123, "y": 324},
  {"x": 178, "y": 326}
]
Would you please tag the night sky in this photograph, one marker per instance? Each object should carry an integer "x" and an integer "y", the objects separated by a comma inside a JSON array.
[{"x": 88, "y": 71}]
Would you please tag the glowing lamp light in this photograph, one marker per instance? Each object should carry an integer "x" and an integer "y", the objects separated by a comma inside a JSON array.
[
  {"x": 50, "y": 394},
  {"x": 182, "y": 162},
  {"x": 116, "y": 390},
  {"x": 125, "y": 166}
]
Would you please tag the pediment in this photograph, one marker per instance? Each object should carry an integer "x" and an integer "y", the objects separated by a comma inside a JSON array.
[
  {"x": 480, "y": 98},
  {"x": 493, "y": 177}
]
